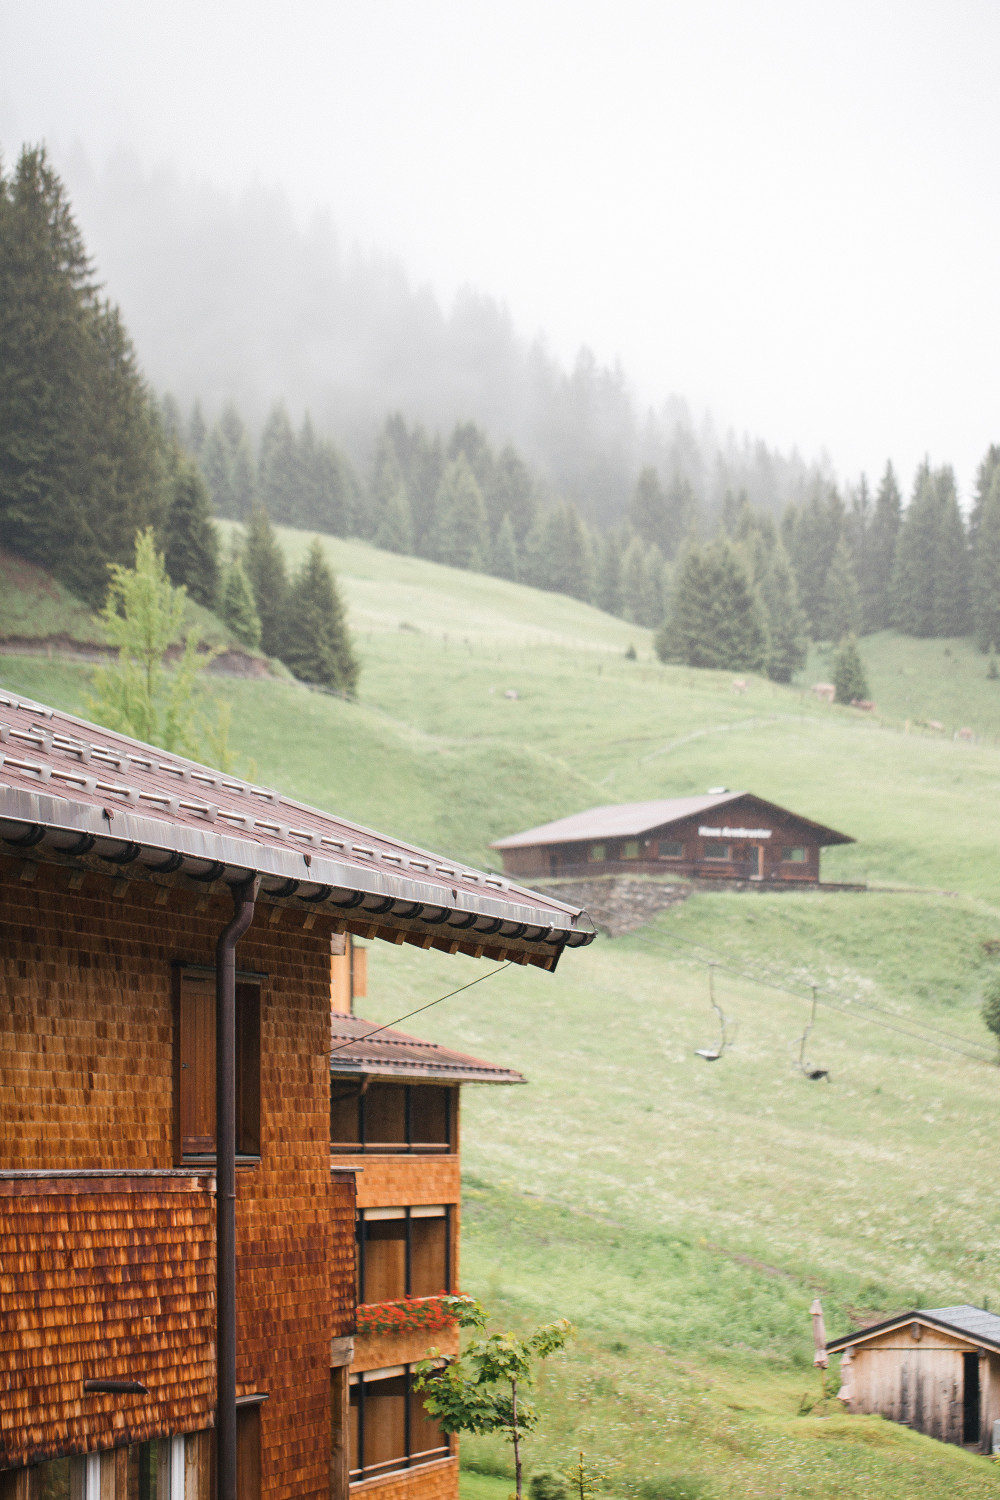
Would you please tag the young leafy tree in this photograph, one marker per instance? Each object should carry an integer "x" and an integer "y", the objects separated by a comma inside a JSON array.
[
  {"x": 990, "y": 1010},
  {"x": 143, "y": 617},
  {"x": 461, "y": 536},
  {"x": 486, "y": 1390},
  {"x": 849, "y": 678},
  {"x": 190, "y": 540},
  {"x": 238, "y": 608},
  {"x": 316, "y": 643},
  {"x": 264, "y": 564}
]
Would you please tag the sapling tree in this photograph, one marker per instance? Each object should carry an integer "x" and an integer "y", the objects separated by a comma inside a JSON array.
[
  {"x": 485, "y": 1389},
  {"x": 143, "y": 616}
]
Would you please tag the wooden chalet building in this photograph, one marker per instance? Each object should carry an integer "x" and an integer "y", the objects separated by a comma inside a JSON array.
[
  {"x": 394, "y": 1117},
  {"x": 936, "y": 1370},
  {"x": 724, "y": 835},
  {"x": 177, "y": 1253}
]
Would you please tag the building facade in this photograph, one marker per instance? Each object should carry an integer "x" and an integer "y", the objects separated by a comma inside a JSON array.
[
  {"x": 178, "y": 1251},
  {"x": 936, "y": 1370},
  {"x": 395, "y": 1120},
  {"x": 724, "y": 835}
]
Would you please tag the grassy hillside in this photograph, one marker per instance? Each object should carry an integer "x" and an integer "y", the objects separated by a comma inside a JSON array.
[{"x": 683, "y": 1215}]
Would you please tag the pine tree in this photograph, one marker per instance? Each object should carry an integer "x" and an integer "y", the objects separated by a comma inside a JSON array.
[
  {"x": 682, "y": 515},
  {"x": 238, "y": 608},
  {"x": 171, "y": 419},
  {"x": 984, "y": 481},
  {"x": 810, "y": 534},
  {"x": 633, "y": 582},
  {"x": 880, "y": 554},
  {"x": 841, "y": 614},
  {"x": 654, "y": 595},
  {"x": 460, "y": 536},
  {"x": 647, "y": 512},
  {"x": 81, "y": 444},
  {"x": 510, "y": 491},
  {"x": 317, "y": 643},
  {"x": 337, "y": 490},
  {"x": 278, "y": 468},
  {"x": 787, "y": 625},
  {"x": 568, "y": 558},
  {"x": 470, "y": 440},
  {"x": 608, "y": 578},
  {"x": 423, "y": 481},
  {"x": 197, "y": 431},
  {"x": 849, "y": 678},
  {"x": 503, "y": 551},
  {"x": 264, "y": 564},
  {"x": 951, "y": 573},
  {"x": 715, "y": 618},
  {"x": 986, "y": 569},
  {"x": 395, "y": 527},
  {"x": 191, "y": 542}
]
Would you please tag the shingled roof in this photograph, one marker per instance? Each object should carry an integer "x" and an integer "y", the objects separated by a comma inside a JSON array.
[
  {"x": 78, "y": 794},
  {"x": 629, "y": 819},
  {"x": 973, "y": 1323},
  {"x": 363, "y": 1047}
]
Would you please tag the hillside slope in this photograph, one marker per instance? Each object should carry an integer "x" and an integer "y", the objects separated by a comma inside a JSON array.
[{"x": 683, "y": 1215}]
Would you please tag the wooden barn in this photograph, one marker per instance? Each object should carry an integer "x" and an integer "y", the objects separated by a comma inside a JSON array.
[
  {"x": 936, "y": 1370},
  {"x": 394, "y": 1111},
  {"x": 178, "y": 1250},
  {"x": 723, "y": 835}
]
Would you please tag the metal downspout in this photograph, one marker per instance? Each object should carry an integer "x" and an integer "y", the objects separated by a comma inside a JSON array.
[{"x": 244, "y": 896}]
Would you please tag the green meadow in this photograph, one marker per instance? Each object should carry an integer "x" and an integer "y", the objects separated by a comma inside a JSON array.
[{"x": 684, "y": 1214}]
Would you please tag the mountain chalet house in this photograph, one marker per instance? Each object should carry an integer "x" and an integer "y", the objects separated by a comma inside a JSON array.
[
  {"x": 394, "y": 1112},
  {"x": 178, "y": 1249},
  {"x": 729, "y": 835}
]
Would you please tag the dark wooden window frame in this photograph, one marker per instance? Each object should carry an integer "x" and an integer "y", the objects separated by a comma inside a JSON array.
[
  {"x": 408, "y": 1460},
  {"x": 361, "y": 1240},
  {"x": 409, "y": 1146}
]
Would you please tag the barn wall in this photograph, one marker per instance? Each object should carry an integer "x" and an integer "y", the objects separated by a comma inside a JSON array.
[
  {"x": 86, "y": 1028},
  {"x": 919, "y": 1382}
]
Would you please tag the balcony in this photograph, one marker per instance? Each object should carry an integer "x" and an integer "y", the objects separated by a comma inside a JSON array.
[{"x": 104, "y": 1276}]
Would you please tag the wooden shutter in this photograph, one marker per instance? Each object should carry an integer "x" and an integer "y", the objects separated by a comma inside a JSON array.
[{"x": 196, "y": 1071}]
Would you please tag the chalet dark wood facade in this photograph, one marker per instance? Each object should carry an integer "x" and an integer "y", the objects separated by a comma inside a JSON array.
[
  {"x": 937, "y": 1370},
  {"x": 155, "y": 1051},
  {"x": 394, "y": 1109},
  {"x": 724, "y": 835}
]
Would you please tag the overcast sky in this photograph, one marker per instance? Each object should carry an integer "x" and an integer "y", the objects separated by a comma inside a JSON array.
[{"x": 786, "y": 212}]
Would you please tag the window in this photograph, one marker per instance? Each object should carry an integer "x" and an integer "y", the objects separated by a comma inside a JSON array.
[
  {"x": 596, "y": 852},
  {"x": 671, "y": 849},
  {"x": 403, "y": 1252},
  {"x": 140, "y": 1471},
  {"x": 794, "y": 856},
  {"x": 716, "y": 851},
  {"x": 630, "y": 849},
  {"x": 389, "y": 1428},
  {"x": 195, "y": 1092},
  {"x": 391, "y": 1116}
]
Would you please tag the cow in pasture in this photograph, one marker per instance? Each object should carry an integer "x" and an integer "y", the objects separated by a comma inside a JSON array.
[{"x": 824, "y": 690}]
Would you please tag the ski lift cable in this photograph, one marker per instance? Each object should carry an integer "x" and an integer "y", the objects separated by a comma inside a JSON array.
[
  {"x": 839, "y": 1004},
  {"x": 718, "y": 955}
]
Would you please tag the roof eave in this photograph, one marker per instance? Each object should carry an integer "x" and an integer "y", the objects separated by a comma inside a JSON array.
[
  {"x": 378, "y": 1070},
  {"x": 861, "y": 1336}
]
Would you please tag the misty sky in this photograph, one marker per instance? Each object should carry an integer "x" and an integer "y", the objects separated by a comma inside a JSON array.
[{"x": 786, "y": 212}]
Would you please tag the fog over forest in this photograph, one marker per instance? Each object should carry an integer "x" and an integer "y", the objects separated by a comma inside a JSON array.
[{"x": 229, "y": 298}]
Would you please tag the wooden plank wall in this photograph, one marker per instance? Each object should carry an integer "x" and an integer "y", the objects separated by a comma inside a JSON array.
[{"x": 86, "y": 1034}]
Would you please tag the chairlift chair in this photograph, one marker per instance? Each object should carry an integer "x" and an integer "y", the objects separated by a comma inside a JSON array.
[
  {"x": 726, "y": 1036},
  {"x": 805, "y": 1067}
]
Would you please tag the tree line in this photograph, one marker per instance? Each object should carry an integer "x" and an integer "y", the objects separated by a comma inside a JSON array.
[{"x": 88, "y": 461}]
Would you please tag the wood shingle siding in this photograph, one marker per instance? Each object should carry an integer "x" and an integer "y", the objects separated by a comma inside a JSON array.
[
  {"x": 121, "y": 1270},
  {"x": 87, "y": 1035}
]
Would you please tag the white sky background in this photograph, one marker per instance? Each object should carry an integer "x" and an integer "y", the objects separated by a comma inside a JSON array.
[{"x": 784, "y": 211}]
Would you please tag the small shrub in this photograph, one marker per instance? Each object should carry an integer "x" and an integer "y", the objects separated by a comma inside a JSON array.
[
  {"x": 991, "y": 671},
  {"x": 631, "y": 654},
  {"x": 990, "y": 1011},
  {"x": 547, "y": 1486}
]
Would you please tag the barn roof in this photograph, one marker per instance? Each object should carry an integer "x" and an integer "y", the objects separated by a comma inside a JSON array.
[
  {"x": 363, "y": 1047},
  {"x": 75, "y": 793},
  {"x": 973, "y": 1323},
  {"x": 629, "y": 819}
]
